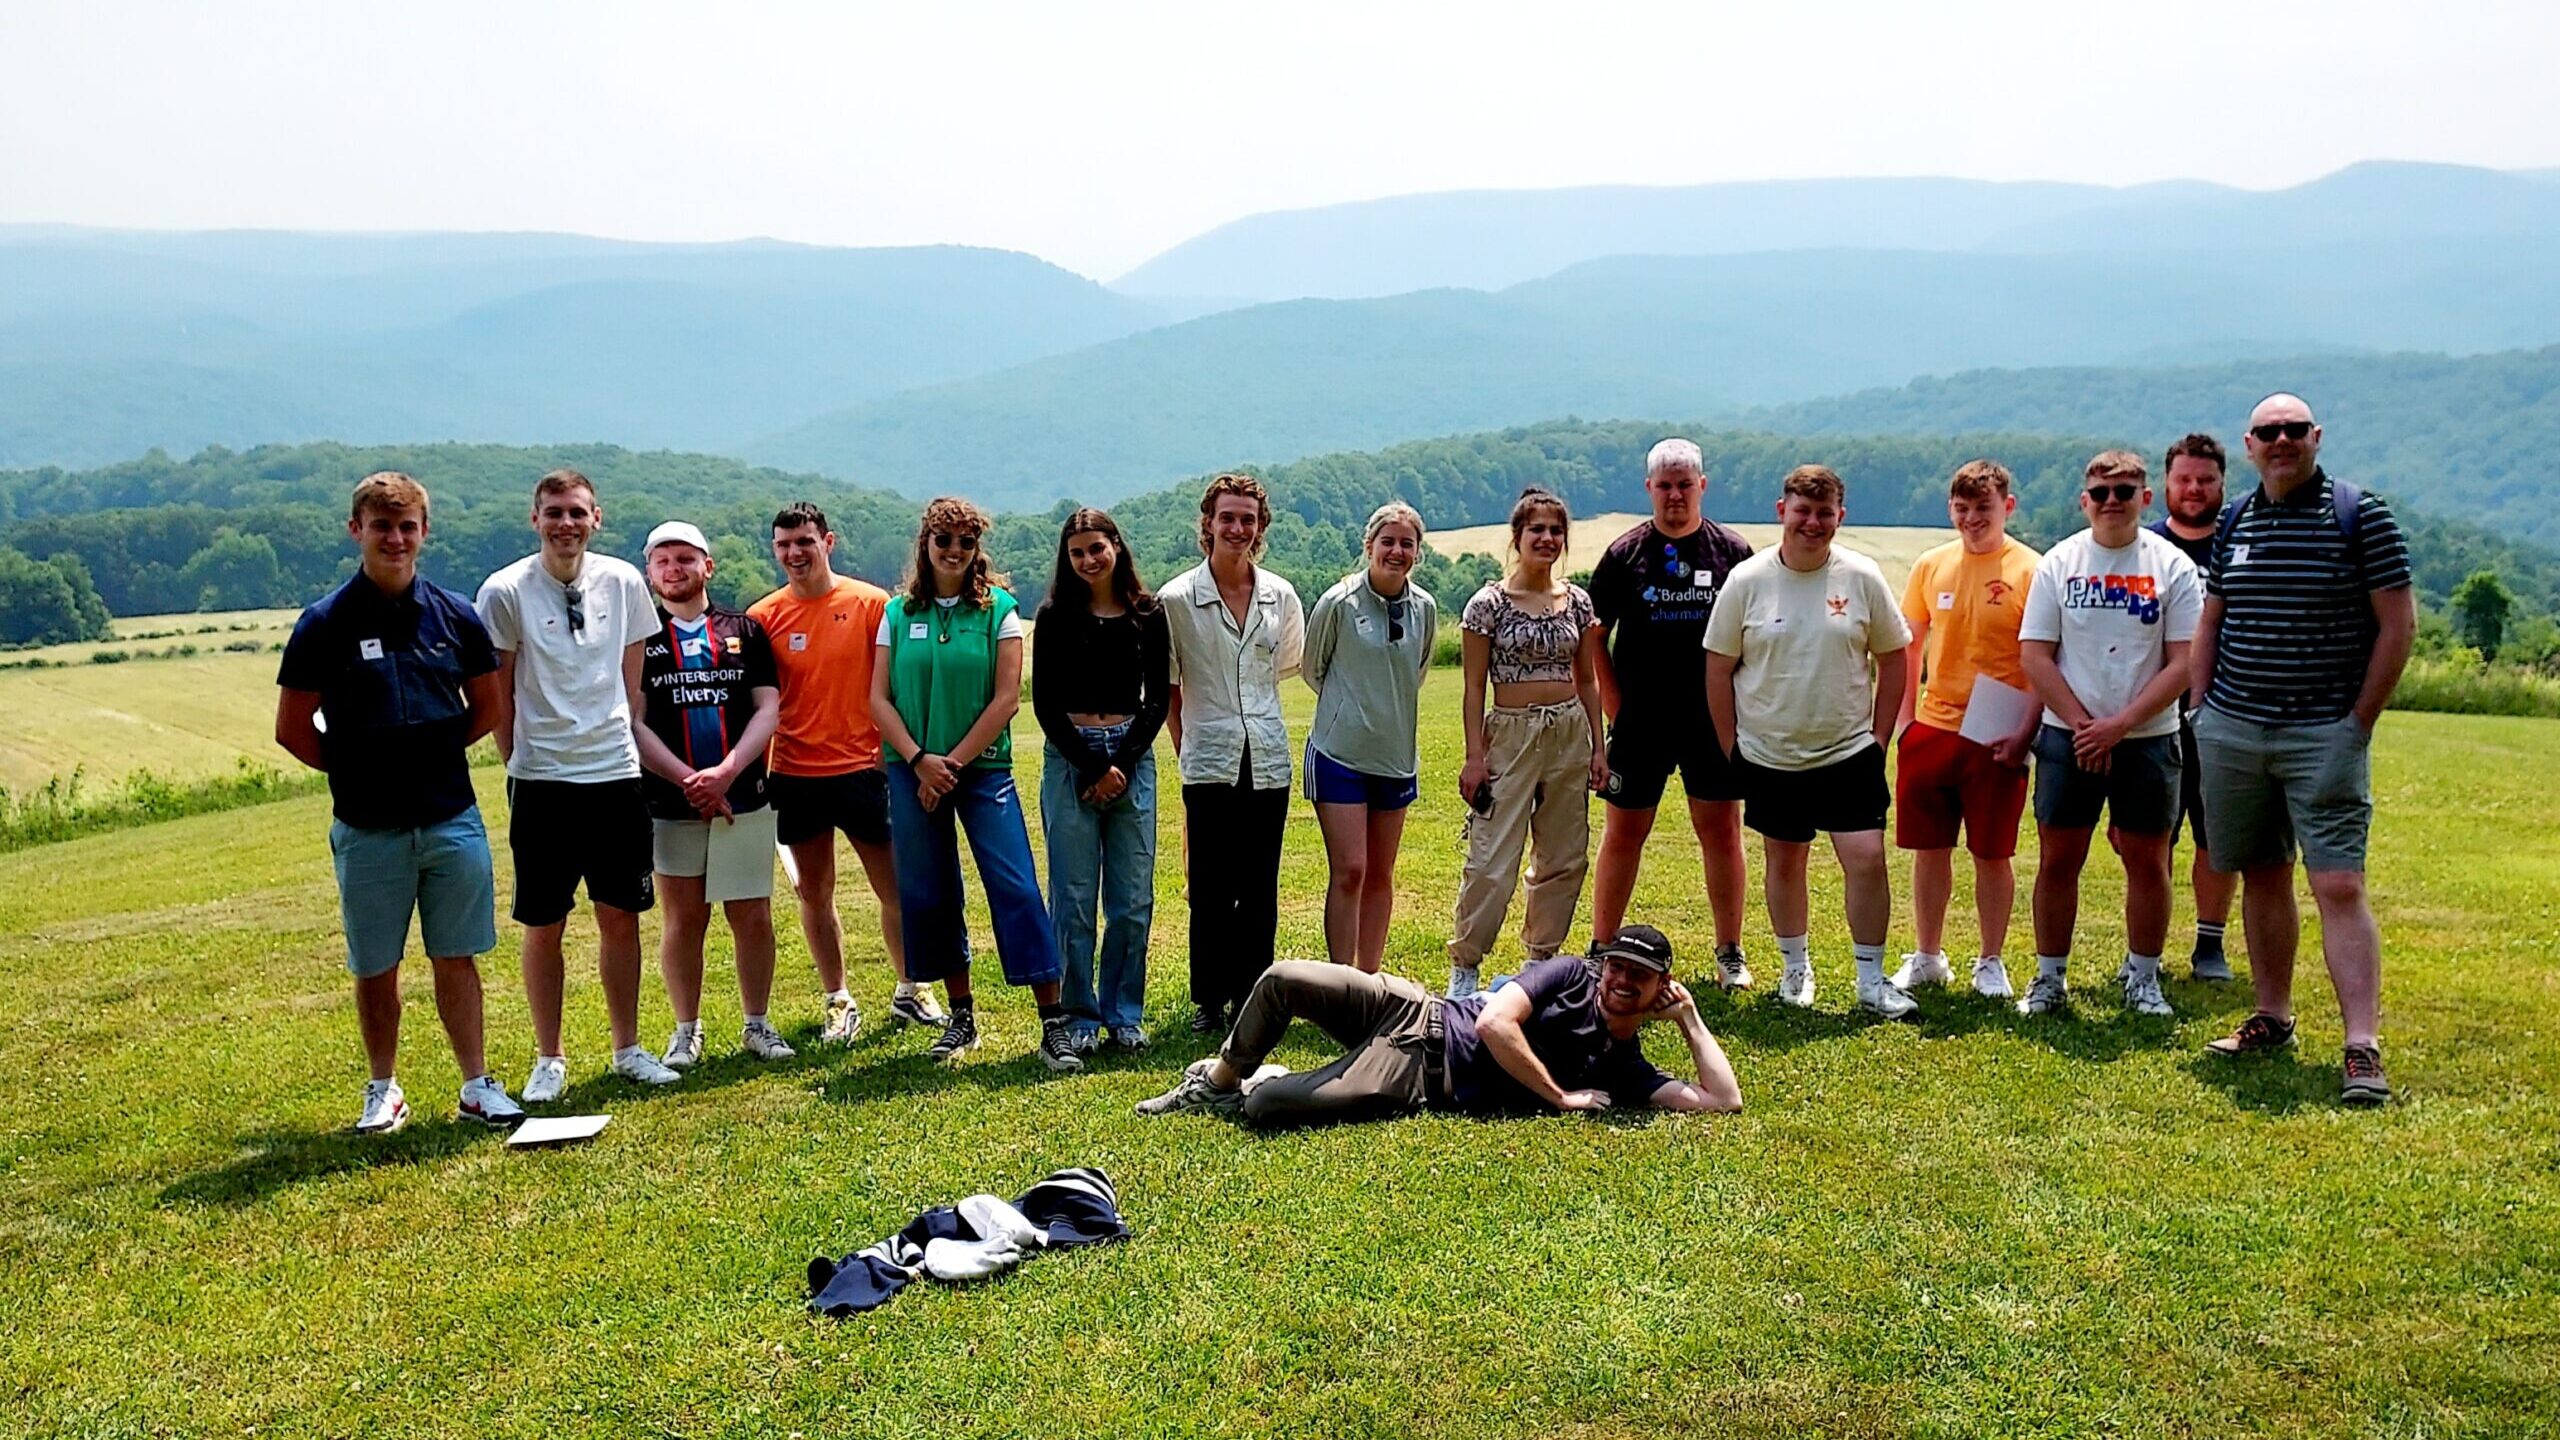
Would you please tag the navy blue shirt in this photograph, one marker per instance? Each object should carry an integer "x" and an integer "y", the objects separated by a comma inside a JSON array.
[
  {"x": 1565, "y": 1030},
  {"x": 391, "y": 673}
]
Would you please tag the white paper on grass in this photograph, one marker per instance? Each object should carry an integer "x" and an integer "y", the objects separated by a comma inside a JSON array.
[
  {"x": 1995, "y": 711},
  {"x": 558, "y": 1129}
]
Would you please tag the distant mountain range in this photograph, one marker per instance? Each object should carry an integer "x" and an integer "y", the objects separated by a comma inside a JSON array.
[
  {"x": 998, "y": 375},
  {"x": 1492, "y": 239}
]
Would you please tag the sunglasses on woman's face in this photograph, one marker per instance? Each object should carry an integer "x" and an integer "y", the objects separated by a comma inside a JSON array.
[
  {"x": 2288, "y": 429},
  {"x": 2101, "y": 494},
  {"x": 945, "y": 540}
]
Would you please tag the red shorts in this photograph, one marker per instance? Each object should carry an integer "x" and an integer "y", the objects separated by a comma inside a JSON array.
[{"x": 1942, "y": 780}]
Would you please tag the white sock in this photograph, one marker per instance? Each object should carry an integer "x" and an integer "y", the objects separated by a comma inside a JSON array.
[
  {"x": 755, "y": 1020},
  {"x": 1795, "y": 949},
  {"x": 2053, "y": 965},
  {"x": 906, "y": 990},
  {"x": 2141, "y": 967},
  {"x": 1870, "y": 960},
  {"x": 839, "y": 993}
]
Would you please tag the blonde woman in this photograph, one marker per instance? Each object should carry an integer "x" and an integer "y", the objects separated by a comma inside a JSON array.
[
  {"x": 1531, "y": 763},
  {"x": 1369, "y": 644}
]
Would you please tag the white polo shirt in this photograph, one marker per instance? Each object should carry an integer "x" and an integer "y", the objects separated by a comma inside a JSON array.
[
  {"x": 1230, "y": 675},
  {"x": 572, "y": 714}
]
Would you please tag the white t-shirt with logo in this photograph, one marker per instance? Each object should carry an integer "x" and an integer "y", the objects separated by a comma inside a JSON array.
[
  {"x": 1804, "y": 641},
  {"x": 2112, "y": 615},
  {"x": 573, "y": 716}
]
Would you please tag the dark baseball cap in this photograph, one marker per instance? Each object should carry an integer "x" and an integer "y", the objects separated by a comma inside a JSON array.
[{"x": 1637, "y": 945}]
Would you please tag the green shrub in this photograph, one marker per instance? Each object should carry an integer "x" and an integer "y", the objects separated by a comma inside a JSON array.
[
  {"x": 64, "y": 807},
  {"x": 2461, "y": 683}
]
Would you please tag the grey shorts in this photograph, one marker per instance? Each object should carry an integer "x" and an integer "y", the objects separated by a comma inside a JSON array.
[
  {"x": 2138, "y": 791},
  {"x": 2270, "y": 789}
]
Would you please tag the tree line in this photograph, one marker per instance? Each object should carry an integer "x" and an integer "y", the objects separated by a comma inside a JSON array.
[{"x": 226, "y": 530}]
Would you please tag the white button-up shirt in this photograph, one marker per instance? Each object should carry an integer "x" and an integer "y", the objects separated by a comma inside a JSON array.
[{"x": 1230, "y": 674}]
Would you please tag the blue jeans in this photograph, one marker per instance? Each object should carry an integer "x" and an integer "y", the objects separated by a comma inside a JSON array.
[
  {"x": 1106, "y": 854},
  {"x": 925, "y": 845}
]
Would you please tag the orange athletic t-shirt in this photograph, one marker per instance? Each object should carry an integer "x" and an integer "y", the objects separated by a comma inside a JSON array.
[
  {"x": 822, "y": 649},
  {"x": 1972, "y": 605}
]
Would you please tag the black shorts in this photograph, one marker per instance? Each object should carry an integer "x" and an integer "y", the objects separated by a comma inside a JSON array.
[
  {"x": 565, "y": 831},
  {"x": 1840, "y": 798},
  {"x": 806, "y": 807},
  {"x": 2138, "y": 792},
  {"x": 2190, "y": 789},
  {"x": 1642, "y": 757}
]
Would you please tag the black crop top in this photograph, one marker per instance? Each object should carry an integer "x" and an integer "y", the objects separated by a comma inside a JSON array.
[{"x": 1093, "y": 665}]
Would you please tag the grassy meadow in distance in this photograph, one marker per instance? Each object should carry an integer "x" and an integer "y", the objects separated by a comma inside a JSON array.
[
  {"x": 1892, "y": 547},
  {"x": 1974, "y": 1224}
]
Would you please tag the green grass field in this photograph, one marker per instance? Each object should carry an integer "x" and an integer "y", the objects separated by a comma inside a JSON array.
[
  {"x": 1976, "y": 1224},
  {"x": 179, "y": 719}
]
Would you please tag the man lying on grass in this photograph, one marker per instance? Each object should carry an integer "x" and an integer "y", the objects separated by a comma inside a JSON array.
[{"x": 1562, "y": 1035}]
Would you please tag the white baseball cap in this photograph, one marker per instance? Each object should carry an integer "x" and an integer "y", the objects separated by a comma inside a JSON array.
[{"x": 676, "y": 532}]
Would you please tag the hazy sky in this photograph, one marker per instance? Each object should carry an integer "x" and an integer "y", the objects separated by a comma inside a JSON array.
[{"x": 1096, "y": 135}]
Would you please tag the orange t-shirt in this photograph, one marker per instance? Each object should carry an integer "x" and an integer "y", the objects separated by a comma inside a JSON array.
[
  {"x": 1972, "y": 605},
  {"x": 822, "y": 649}
]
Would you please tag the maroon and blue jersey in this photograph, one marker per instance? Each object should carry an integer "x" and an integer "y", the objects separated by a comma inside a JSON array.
[{"x": 700, "y": 678}]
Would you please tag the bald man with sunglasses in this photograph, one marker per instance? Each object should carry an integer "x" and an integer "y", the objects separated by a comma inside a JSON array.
[{"x": 2308, "y": 620}]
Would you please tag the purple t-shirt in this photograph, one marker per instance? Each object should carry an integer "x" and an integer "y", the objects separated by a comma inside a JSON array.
[{"x": 1567, "y": 1033}]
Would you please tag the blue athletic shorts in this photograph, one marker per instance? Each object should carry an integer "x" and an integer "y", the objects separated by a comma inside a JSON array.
[
  {"x": 1330, "y": 782},
  {"x": 439, "y": 871}
]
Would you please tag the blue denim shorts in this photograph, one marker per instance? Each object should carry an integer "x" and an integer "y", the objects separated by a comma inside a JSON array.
[
  {"x": 440, "y": 871},
  {"x": 1330, "y": 782}
]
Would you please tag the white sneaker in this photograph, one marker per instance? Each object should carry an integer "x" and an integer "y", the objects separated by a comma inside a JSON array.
[
  {"x": 1464, "y": 980},
  {"x": 1991, "y": 978},
  {"x": 684, "y": 1048},
  {"x": 485, "y": 1100},
  {"x": 385, "y": 1108},
  {"x": 639, "y": 1065},
  {"x": 1920, "y": 970},
  {"x": 2048, "y": 994},
  {"x": 1732, "y": 971},
  {"x": 916, "y": 1009},
  {"x": 1264, "y": 1072},
  {"x": 1883, "y": 997},
  {"x": 550, "y": 1076},
  {"x": 2142, "y": 995},
  {"x": 844, "y": 1021},
  {"x": 1795, "y": 987},
  {"x": 760, "y": 1039}
]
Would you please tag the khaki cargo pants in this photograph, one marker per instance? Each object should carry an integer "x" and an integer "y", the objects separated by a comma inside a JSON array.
[{"x": 1540, "y": 756}]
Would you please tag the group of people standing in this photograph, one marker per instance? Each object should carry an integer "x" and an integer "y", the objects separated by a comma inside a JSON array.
[{"x": 2223, "y": 667}]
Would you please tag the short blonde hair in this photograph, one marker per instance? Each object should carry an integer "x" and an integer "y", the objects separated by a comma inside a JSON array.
[
  {"x": 1388, "y": 514},
  {"x": 2117, "y": 465},
  {"x": 1979, "y": 480},
  {"x": 387, "y": 490}
]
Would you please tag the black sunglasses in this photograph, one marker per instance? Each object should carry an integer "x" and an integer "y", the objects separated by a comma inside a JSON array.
[
  {"x": 2289, "y": 429},
  {"x": 2122, "y": 490},
  {"x": 945, "y": 540},
  {"x": 577, "y": 598}
]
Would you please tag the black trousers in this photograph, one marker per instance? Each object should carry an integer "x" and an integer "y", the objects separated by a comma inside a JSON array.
[{"x": 1232, "y": 864}]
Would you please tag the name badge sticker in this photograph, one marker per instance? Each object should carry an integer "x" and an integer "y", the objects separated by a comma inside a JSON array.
[
  {"x": 1946, "y": 599},
  {"x": 799, "y": 640},
  {"x": 1361, "y": 622},
  {"x": 369, "y": 649},
  {"x": 2239, "y": 554},
  {"x": 915, "y": 630},
  {"x": 1701, "y": 580}
]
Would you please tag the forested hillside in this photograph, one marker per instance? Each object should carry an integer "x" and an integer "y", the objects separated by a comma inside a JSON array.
[{"x": 229, "y": 530}]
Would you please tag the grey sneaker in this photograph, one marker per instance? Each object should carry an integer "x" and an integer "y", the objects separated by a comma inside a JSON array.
[
  {"x": 1128, "y": 1037},
  {"x": 959, "y": 1036},
  {"x": 760, "y": 1039},
  {"x": 1193, "y": 1092},
  {"x": 1058, "y": 1048},
  {"x": 2210, "y": 965},
  {"x": 2048, "y": 994},
  {"x": 2365, "y": 1084},
  {"x": 2142, "y": 995},
  {"x": 1732, "y": 971}
]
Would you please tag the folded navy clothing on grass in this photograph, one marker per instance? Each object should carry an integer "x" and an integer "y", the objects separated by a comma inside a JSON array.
[{"x": 978, "y": 1237}]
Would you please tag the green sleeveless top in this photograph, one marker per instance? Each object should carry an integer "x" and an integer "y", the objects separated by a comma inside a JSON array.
[{"x": 942, "y": 671}]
